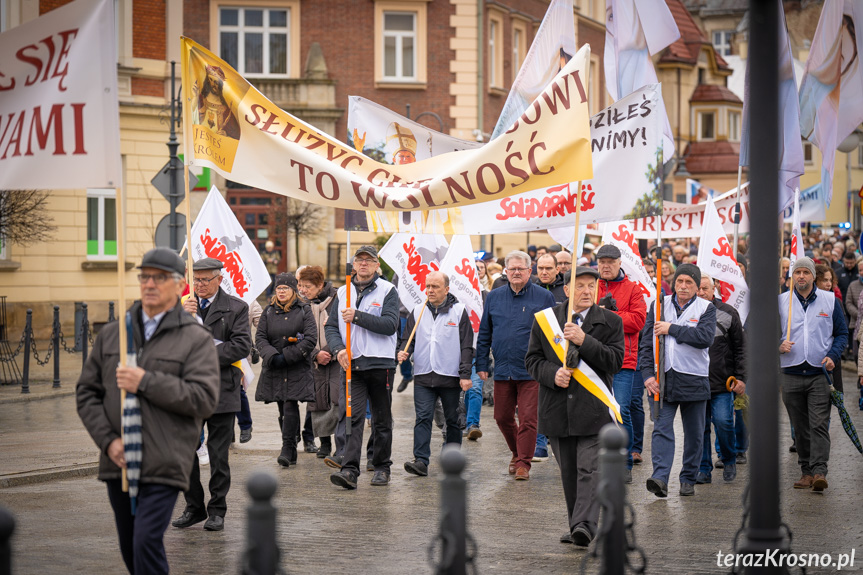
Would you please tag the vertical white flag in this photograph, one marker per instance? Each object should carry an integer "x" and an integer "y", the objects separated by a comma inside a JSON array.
[
  {"x": 412, "y": 258},
  {"x": 635, "y": 29},
  {"x": 218, "y": 234},
  {"x": 796, "y": 250},
  {"x": 831, "y": 94},
  {"x": 716, "y": 258},
  {"x": 460, "y": 267},
  {"x": 620, "y": 234}
]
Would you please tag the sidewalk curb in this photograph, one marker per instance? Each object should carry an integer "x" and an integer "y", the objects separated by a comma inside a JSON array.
[
  {"x": 44, "y": 475},
  {"x": 24, "y": 397}
]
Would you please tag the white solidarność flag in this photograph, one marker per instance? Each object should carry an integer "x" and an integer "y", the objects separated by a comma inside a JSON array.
[
  {"x": 460, "y": 267},
  {"x": 634, "y": 30},
  {"x": 716, "y": 259},
  {"x": 796, "y": 250},
  {"x": 831, "y": 94},
  {"x": 791, "y": 148},
  {"x": 412, "y": 257},
  {"x": 620, "y": 235},
  {"x": 553, "y": 45},
  {"x": 218, "y": 234},
  {"x": 59, "y": 119}
]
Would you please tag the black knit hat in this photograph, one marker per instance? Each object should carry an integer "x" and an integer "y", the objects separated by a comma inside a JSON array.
[
  {"x": 286, "y": 279},
  {"x": 690, "y": 270}
]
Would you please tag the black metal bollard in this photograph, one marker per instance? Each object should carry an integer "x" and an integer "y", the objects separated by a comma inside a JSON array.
[
  {"x": 453, "y": 507},
  {"x": 111, "y": 311},
  {"x": 55, "y": 342},
  {"x": 28, "y": 339},
  {"x": 85, "y": 333},
  {"x": 7, "y": 527},
  {"x": 262, "y": 553},
  {"x": 612, "y": 466}
]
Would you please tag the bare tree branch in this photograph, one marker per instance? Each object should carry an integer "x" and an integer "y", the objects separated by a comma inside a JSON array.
[
  {"x": 24, "y": 217},
  {"x": 300, "y": 218}
]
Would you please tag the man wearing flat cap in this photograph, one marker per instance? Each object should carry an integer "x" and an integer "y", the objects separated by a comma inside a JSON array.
[
  {"x": 818, "y": 336},
  {"x": 171, "y": 390},
  {"x": 227, "y": 318},
  {"x": 688, "y": 325},
  {"x": 569, "y": 414},
  {"x": 621, "y": 295},
  {"x": 373, "y": 314}
]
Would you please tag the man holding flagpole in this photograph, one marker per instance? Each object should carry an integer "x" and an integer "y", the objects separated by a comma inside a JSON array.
[{"x": 570, "y": 412}]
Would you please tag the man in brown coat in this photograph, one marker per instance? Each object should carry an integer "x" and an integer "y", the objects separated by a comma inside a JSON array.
[{"x": 176, "y": 381}]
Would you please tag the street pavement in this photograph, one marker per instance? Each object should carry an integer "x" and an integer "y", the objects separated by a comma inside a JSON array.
[{"x": 65, "y": 524}]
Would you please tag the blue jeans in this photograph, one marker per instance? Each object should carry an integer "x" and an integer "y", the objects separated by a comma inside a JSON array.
[
  {"x": 406, "y": 368},
  {"x": 473, "y": 398},
  {"x": 541, "y": 443},
  {"x": 636, "y": 412},
  {"x": 662, "y": 444},
  {"x": 424, "y": 403},
  {"x": 719, "y": 410},
  {"x": 622, "y": 385},
  {"x": 741, "y": 435}
]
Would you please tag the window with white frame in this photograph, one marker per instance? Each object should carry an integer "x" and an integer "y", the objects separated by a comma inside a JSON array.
[
  {"x": 256, "y": 41},
  {"x": 706, "y": 126},
  {"x": 722, "y": 41},
  {"x": 101, "y": 224},
  {"x": 733, "y": 126},
  {"x": 518, "y": 34},
  {"x": 495, "y": 52},
  {"x": 807, "y": 152},
  {"x": 400, "y": 46}
]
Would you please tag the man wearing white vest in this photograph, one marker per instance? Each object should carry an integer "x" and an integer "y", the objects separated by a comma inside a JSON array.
[
  {"x": 442, "y": 351},
  {"x": 688, "y": 331},
  {"x": 818, "y": 336},
  {"x": 373, "y": 313}
]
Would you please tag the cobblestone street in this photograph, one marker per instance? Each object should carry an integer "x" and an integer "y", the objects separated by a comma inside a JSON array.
[{"x": 66, "y": 525}]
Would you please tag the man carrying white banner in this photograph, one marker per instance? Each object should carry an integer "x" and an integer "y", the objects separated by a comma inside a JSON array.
[
  {"x": 716, "y": 258},
  {"x": 217, "y": 234},
  {"x": 575, "y": 399}
]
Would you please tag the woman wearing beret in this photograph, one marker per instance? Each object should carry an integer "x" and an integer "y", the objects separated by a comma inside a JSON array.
[{"x": 285, "y": 339}]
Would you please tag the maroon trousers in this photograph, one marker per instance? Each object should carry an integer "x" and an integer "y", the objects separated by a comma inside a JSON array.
[{"x": 520, "y": 437}]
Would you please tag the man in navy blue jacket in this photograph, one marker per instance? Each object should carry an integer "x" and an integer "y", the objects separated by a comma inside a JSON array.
[
  {"x": 505, "y": 330},
  {"x": 688, "y": 327}
]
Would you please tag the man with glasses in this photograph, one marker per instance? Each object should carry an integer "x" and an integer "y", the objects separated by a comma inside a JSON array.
[
  {"x": 227, "y": 318},
  {"x": 175, "y": 385},
  {"x": 505, "y": 331},
  {"x": 564, "y": 262},
  {"x": 373, "y": 314}
]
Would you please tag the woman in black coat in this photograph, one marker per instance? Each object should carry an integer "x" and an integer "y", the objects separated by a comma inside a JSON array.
[{"x": 285, "y": 339}]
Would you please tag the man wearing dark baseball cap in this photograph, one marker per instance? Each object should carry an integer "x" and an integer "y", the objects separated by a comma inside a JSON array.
[
  {"x": 569, "y": 414},
  {"x": 621, "y": 295},
  {"x": 688, "y": 324},
  {"x": 227, "y": 317}
]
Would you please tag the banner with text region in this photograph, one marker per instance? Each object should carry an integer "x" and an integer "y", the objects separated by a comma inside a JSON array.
[
  {"x": 460, "y": 267},
  {"x": 620, "y": 234},
  {"x": 716, "y": 259},
  {"x": 218, "y": 234},
  {"x": 412, "y": 258},
  {"x": 626, "y": 144},
  {"x": 233, "y": 128},
  {"x": 59, "y": 119}
]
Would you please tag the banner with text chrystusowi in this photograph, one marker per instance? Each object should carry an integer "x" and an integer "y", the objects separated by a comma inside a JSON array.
[{"x": 231, "y": 127}]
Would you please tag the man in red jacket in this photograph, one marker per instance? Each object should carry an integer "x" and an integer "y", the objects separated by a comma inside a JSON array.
[{"x": 619, "y": 294}]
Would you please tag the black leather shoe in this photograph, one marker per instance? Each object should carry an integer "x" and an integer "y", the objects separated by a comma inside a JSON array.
[
  {"x": 404, "y": 384},
  {"x": 325, "y": 448},
  {"x": 334, "y": 461},
  {"x": 310, "y": 447},
  {"x": 687, "y": 489},
  {"x": 381, "y": 478},
  {"x": 187, "y": 519},
  {"x": 566, "y": 537},
  {"x": 417, "y": 467},
  {"x": 344, "y": 479},
  {"x": 658, "y": 487},
  {"x": 284, "y": 458},
  {"x": 581, "y": 536},
  {"x": 245, "y": 435},
  {"x": 214, "y": 523},
  {"x": 369, "y": 466}
]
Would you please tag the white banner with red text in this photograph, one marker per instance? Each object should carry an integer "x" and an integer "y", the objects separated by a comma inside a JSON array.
[
  {"x": 412, "y": 258},
  {"x": 620, "y": 235},
  {"x": 716, "y": 259},
  {"x": 460, "y": 267}
]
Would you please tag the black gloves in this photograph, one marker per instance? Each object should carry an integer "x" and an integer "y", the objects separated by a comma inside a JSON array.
[
  {"x": 278, "y": 361},
  {"x": 608, "y": 302}
]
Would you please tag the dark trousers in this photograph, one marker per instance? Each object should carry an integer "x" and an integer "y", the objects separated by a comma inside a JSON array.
[
  {"x": 289, "y": 422},
  {"x": 521, "y": 438},
  {"x": 141, "y": 535},
  {"x": 308, "y": 434},
  {"x": 244, "y": 416},
  {"x": 636, "y": 411},
  {"x": 578, "y": 458},
  {"x": 220, "y": 427},
  {"x": 425, "y": 399},
  {"x": 372, "y": 385},
  {"x": 807, "y": 399},
  {"x": 692, "y": 414}
]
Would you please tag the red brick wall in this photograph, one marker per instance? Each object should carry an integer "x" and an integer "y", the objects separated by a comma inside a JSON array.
[
  {"x": 148, "y": 87},
  {"x": 148, "y": 29},
  {"x": 196, "y": 21},
  {"x": 48, "y": 5}
]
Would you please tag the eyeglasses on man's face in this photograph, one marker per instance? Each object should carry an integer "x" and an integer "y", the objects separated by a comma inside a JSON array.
[
  {"x": 203, "y": 281},
  {"x": 365, "y": 261},
  {"x": 159, "y": 279}
]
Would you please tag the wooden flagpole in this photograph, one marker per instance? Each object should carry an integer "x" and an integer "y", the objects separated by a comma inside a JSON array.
[
  {"x": 119, "y": 207},
  {"x": 572, "y": 272},
  {"x": 414, "y": 330}
]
